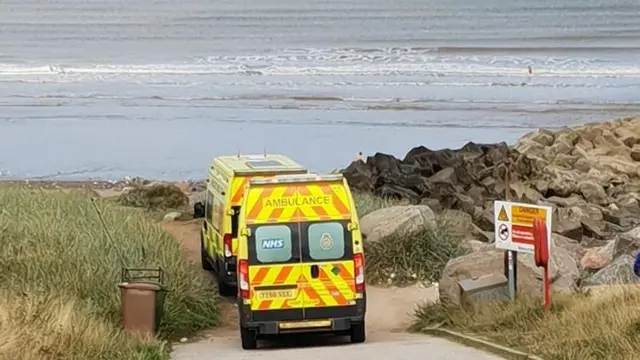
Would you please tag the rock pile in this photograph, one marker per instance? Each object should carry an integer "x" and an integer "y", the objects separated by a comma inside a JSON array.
[
  {"x": 455, "y": 178},
  {"x": 590, "y": 175}
]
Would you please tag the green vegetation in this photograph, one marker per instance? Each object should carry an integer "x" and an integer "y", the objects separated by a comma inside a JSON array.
[
  {"x": 400, "y": 260},
  {"x": 154, "y": 196},
  {"x": 367, "y": 202},
  {"x": 416, "y": 257},
  {"x": 59, "y": 276},
  {"x": 604, "y": 325}
]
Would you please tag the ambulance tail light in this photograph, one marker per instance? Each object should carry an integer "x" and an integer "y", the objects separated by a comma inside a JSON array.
[
  {"x": 358, "y": 263},
  {"x": 243, "y": 279},
  {"x": 227, "y": 240}
]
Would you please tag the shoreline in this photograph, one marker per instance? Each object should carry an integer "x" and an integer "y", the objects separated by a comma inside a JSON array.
[
  {"x": 195, "y": 183},
  {"x": 58, "y": 150}
]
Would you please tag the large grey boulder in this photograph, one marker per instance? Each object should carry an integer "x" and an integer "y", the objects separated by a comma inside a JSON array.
[
  {"x": 572, "y": 246},
  {"x": 396, "y": 221},
  {"x": 598, "y": 257},
  {"x": 620, "y": 271}
]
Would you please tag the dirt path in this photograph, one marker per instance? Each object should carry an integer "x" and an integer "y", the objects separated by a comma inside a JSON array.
[{"x": 388, "y": 314}]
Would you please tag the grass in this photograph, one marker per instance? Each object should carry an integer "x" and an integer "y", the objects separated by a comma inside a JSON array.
[
  {"x": 58, "y": 278},
  {"x": 367, "y": 203},
  {"x": 154, "y": 196},
  {"x": 599, "y": 326},
  {"x": 405, "y": 259}
]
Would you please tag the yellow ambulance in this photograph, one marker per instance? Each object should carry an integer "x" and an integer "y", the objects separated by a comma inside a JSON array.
[
  {"x": 226, "y": 182},
  {"x": 300, "y": 259}
]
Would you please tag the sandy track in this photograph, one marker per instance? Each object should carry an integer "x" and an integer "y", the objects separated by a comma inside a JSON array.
[{"x": 388, "y": 314}]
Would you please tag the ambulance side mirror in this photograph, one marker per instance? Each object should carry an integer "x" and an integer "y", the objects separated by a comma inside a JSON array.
[
  {"x": 352, "y": 226},
  {"x": 246, "y": 232}
]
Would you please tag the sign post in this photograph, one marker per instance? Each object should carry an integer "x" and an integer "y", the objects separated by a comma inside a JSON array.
[
  {"x": 511, "y": 272},
  {"x": 510, "y": 256},
  {"x": 514, "y": 232}
]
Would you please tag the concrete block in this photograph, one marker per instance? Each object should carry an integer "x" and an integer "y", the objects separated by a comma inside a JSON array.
[{"x": 492, "y": 287}]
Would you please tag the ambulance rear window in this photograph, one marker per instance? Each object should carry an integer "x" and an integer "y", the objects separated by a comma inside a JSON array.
[
  {"x": 273, "y": 243},
  {"x": 326, "y": 241}
]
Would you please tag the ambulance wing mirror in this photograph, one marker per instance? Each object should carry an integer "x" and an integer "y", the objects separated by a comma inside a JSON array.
[
  {"x": 352, "y": 226},
  {"x": 246, "y": 232}
]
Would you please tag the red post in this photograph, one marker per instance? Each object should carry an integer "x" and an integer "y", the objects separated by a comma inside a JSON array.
[
  {"x": 541, "y": 255},
  {"x": 547, "y": 289}
]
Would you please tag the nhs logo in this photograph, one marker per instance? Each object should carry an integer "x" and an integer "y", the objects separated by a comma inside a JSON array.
[{"x": 273, "y": 243}]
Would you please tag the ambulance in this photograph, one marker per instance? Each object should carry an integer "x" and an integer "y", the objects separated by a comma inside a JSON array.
[
  {"x": 226, "y": 182},
  {"x": 300, "y": 259}
]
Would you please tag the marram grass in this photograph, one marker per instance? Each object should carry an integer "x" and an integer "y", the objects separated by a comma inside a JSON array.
[{"x": 59, "y": 297}]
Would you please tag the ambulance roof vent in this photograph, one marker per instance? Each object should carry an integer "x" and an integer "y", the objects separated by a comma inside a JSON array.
[{"x": 262, "y": 164}]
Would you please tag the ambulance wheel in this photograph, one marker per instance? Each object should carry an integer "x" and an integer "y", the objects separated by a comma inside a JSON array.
[
  {"x": 223, "y": 289},
  {"x": 249, "y": 338},
  {"x": 358, "y": 333},
  {"x": 198, "y": 210},
  {"x": 204, "y": 258}
]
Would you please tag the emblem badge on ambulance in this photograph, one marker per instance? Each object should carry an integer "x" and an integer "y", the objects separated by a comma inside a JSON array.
[{"x": 326, "y": 242}]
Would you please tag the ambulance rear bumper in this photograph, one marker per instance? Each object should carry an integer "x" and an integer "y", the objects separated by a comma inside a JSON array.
[
  {"x": 272, "y": 322},
  {"x": 273, "y": 327}
]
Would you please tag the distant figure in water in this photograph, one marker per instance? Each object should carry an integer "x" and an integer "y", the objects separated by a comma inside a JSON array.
[
  {"x": 530, "y": 71},
  {"x": 360, "y": 157}
]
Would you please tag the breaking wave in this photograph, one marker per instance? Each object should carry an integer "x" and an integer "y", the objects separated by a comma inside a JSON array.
[{"x": 470, "y": 61}]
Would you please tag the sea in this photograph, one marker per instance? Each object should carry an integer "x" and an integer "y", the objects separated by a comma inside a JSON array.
[{"x": 103, "y": 89}]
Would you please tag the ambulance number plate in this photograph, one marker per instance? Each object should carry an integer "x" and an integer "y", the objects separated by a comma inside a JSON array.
[{"x": 276, "y": 294}]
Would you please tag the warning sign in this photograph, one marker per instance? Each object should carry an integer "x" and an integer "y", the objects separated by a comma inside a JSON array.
[
  {"x": 502, "y": 216},
  {"x": 514, "y": 224},
  {"x": 525, "y": 215},
  {"x": 503, "y": 232},
  {"x": 522, "y": 222}
]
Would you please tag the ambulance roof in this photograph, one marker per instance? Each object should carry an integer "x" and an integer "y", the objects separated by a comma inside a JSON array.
[
  {"x": 251, "y": 164},
  {"x": 297, "y": 178}
]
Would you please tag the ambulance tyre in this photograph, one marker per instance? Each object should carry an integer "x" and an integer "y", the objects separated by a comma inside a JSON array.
[
  {"x": 358, "y": 333},
  {"x": 223, "y": 289},
  {"x": 204, "y": 259},
  {"x": 248, "y": 338}
]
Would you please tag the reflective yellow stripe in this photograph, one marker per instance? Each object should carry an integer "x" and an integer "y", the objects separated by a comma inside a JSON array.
[
  {"x": 331, "y": 288},
  {"x": 237, "y": 190},
  {"x": 275, "y": 275}
]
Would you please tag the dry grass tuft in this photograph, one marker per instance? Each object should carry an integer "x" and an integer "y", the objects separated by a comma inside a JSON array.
[
  {"x": 54, "y": 326},
  {"x": 401, "y": 260},
  {"x": 59, "y": 276},
  {"x": 599, "y": 326},
  {"x": 367, "y": 202},
  {"x": 154, "y": 196}
]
